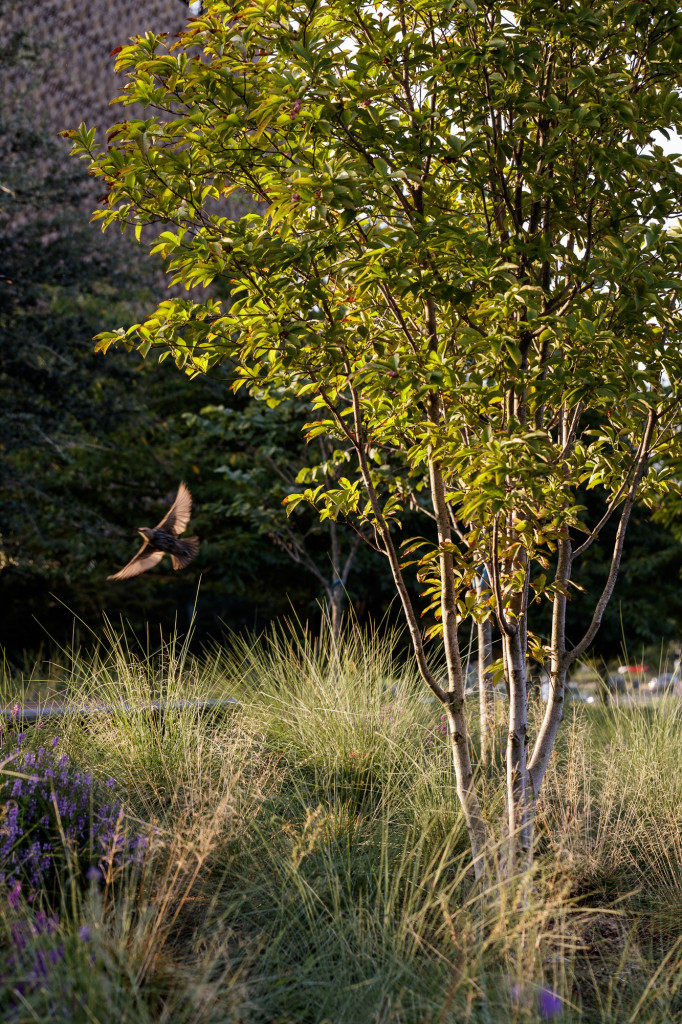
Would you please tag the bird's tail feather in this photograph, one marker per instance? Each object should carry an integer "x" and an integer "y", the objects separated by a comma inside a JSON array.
[{"x": 189, "y": 547}]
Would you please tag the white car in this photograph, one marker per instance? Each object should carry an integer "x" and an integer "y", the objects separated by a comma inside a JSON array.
[
  {"x": 572, "y": 693},
  {"x": 661, "y": 683}
]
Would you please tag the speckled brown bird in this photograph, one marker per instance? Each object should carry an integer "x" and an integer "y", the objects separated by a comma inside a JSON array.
[{"x": 164, "y": 539}]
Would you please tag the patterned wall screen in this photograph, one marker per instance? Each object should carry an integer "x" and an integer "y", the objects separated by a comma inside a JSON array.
[{"x": 72, "y": 78}]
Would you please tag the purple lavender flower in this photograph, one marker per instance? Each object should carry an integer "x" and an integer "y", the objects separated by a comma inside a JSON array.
[
  {"x": 42, "y": 969},
  {"x": 55, "y": 955},
  {"x": 44, "y": 924},
  {"x": 14, "y": 895},
  {"x": 58, "y": 802},
  {"x": 34, "y": 952},
  {"x": 54, "y": 741},
  {"x": 84, "y": 933},
  {"x": 549, "y": 1004},
  {"x": 17, "y": 932}
]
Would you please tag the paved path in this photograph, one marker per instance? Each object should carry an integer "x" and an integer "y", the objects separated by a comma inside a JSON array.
[{"x": 32, "y": 712}]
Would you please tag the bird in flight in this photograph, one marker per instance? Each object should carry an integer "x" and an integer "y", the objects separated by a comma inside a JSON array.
[{"x": 164, "y": 539}]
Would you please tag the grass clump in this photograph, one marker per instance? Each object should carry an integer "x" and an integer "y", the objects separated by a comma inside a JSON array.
[{"x": 306, "y": 859}]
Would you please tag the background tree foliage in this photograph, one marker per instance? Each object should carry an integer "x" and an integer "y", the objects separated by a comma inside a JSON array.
[
  {"x": 91, "y": 448},
  {"x": 86, "y": 446}
]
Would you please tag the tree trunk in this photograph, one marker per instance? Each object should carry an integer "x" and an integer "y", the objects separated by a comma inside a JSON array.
[
  {"x": 519, "y": 793},
  {"x": 457, "y": 727},
  {"x": 486, "y": 704},
  {"x": 336, "y": 590},
  {"x": 554, "y": 711},
  {"x": 336, "y": 607}
]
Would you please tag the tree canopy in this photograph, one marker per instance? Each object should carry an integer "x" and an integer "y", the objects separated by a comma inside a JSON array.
[{"x": 464, "y": 256}]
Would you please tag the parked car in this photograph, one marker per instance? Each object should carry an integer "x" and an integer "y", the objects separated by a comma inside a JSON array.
[
  {"x": 497, "y": 691},
  {"x": 635, "y": 674},
  {"x": 615, "y": 682},
  {"x": 571, "y": 693},
  {"x": 662, "y": 683}
]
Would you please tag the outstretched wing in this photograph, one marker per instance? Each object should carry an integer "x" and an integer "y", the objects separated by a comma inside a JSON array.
[
  {"x": 139, "y": 563},
  {"x": 178, "y": 516}
]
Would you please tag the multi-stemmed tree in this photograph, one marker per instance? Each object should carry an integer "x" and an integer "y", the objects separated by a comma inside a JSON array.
[{"x": 465, "y": 256}]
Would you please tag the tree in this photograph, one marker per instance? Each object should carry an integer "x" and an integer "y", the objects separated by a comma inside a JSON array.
[{"x": 464, "y": 257}]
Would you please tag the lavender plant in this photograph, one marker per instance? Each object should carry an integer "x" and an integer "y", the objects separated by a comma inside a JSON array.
[
  {"x": 51, "y": 813},
  {"x": 50, "y": 968}
]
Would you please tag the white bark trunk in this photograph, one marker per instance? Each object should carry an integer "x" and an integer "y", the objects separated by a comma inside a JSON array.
[
  {"x": 486, "y": 706},
  {"x": 519, "y": 792}
]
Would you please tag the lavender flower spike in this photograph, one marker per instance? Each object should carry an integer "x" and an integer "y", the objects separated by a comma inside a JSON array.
[
  {"x": 14, "y": 895},
  {"x": 549, "y": 1004}
]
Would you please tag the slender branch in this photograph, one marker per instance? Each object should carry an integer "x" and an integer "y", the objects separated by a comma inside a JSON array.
[
  {"x": 570, "y": 434},
  {"x": 613, "y": 503},
  {"x": 447, "y": 583},
  {"x": 455, "y": 525},
  {"x": 298, "y": 553},
  {"x": 394, "y": 562},
  {"x": 351, "y": 556},
  {"x": 494, "y": 574},
  {"x": 589, "y": 636},
  {"x": 544, "y": 743}
]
